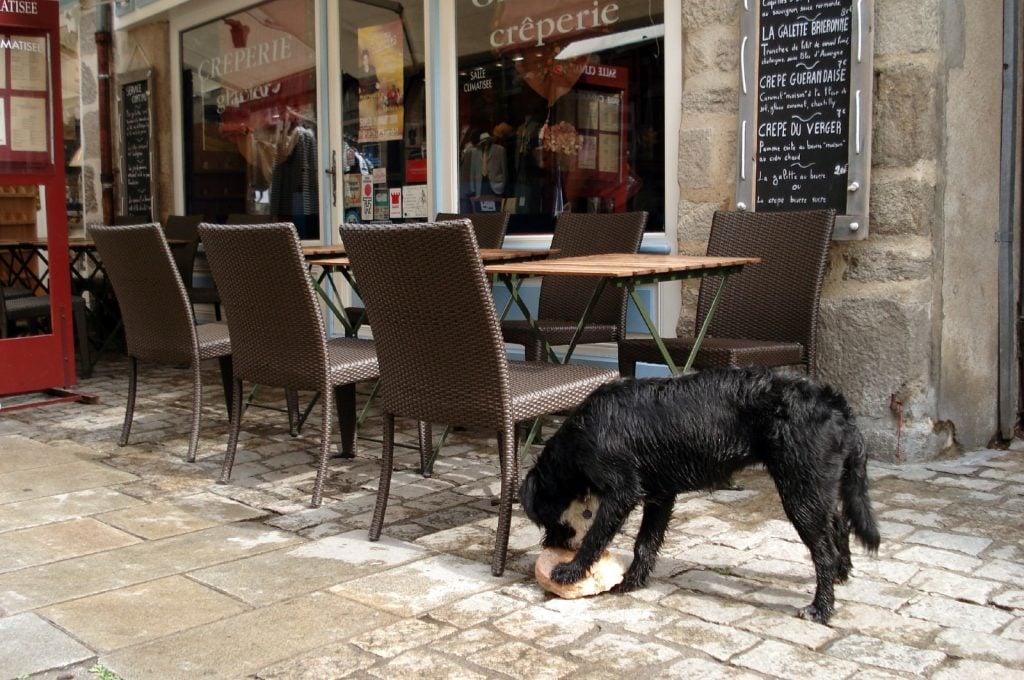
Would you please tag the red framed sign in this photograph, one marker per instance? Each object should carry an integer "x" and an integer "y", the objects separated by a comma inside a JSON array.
[{"x": 31, "y": 156}]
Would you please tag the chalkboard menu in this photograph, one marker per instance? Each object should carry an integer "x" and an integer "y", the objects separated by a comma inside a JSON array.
[
  {"x": 137, "y": 166},
  {"x": 804, "y": 107}
]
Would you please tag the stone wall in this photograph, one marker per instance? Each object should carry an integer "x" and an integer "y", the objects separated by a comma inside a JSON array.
[{"x": 908, "y": 317}]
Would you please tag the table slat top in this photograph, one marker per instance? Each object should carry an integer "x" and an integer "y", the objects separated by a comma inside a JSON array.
[
  {"x": 620, "y": 265},
  {"x": 488, "y": 255}
]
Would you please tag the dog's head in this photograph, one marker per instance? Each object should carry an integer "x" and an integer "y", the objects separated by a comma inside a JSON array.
[{"x": 565, "y": 520}]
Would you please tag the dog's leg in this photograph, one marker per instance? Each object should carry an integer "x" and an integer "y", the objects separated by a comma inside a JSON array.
[
  {"x": 657, "y": 513},
  {"x": 812, "y": 516},
  {"x": 841, "y": 540},
  {"x": 611, "y": 513}
]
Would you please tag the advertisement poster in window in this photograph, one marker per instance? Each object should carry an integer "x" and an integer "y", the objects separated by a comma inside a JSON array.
[{"x": 381, "y": 82}]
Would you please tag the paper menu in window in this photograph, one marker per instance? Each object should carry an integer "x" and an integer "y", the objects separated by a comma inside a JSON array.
[
  {"x": 3, "y": 123},
  {"x": 28, "y": 63},
  {"x": 609, "y": 113},
  {"x": 28, "y": 124}
]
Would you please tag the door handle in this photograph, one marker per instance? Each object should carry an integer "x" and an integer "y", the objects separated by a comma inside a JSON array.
[{"x": 333, "y": 172}]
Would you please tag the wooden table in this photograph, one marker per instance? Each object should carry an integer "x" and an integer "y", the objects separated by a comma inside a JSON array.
[{"x": 625, "y": 270}]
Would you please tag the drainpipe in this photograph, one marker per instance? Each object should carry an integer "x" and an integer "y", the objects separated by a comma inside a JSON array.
[
  {"x": 103, "y": 52},
  {"x": 1008, "y": 305}
]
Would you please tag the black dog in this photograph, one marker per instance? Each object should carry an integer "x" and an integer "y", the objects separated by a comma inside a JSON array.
[{"x": 650, "y": 439}]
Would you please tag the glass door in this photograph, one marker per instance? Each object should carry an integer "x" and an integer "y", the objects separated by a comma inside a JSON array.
[
  {"x": 378, "y": 74},
  {"x": 249, "y": 114}
]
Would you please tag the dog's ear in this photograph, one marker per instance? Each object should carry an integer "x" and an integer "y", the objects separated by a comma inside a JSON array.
[{"x": 528, "y": 495}]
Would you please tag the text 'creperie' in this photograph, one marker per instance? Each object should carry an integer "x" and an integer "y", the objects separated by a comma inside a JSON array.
[{"x": 536, "y": 31}]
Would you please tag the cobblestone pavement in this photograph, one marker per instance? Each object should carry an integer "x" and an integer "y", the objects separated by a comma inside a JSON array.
[{"x": 134, "y": 560}]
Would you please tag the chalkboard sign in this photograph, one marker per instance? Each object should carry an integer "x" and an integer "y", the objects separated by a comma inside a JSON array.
[
  {"x": 135, "y": 95},
  {"x": 804, "y": 137}
]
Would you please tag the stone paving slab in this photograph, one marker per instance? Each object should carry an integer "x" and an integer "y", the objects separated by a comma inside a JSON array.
[
  {"x": 32, "y": 645},
  {"x": 243, "y": 644},
  {"x": 140, "y": 613},
  {"x": 245, "y": 580},
  {"x": 284, "y": 574},
  {"x": 35, "y": 587},
  {"x": 62, "y": 507},
  {"x": 37, "y": 482},
  {"x": 59, "y": 541}
]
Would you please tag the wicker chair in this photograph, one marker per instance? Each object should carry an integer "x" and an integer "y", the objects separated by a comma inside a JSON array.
[
  {"x": 442, "y": 358},
  {"x": 184, "y": 228},
  {"x": 563, "y": 299},
  {"x": 768, "y": 313},
  {"x": 489, "y": 227},
  {"x": 158, "y": 322},
  {"x": 278, "y": 331},
  {"x": 208, "y": 295}
]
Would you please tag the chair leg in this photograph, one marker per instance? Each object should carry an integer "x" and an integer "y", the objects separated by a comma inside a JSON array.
[
  {"x": 197, "y": 407},
  {"x": 216, "y": 311},
  {"x": 129, "y": 409},
  {"x": 327, "y": 408},
  {"x": 627, "y": 367},
  {"x": 426, "y": 442},
  {"x": 236, "y": 423},
  {"x": 387, "y": 462},
  {"x": 534, "y": 351},
  {"x": 509, "y": 467},
  {"x": 291, "y": 400},
  {"x": 82, "y": 330},
  {"x": 345, "y": 400},
  {"x": 226, "y": 378}
]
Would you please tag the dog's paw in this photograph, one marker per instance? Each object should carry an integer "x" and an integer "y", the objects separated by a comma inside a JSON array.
[
  {"x": 629, "y": 584},
  {"x": 566, "y": 573},
  {"x": 812, "y": 613}
]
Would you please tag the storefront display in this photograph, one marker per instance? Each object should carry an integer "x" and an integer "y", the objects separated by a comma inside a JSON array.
[
  {"x": 569, "y": 97},
  {"x": 251, "y": 123}
]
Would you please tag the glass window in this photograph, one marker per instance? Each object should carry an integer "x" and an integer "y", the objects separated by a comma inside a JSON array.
[
  {"x": 561, "y": 107},
  {"x": 384, "y": 163},
  {"x": 249, "y": 105}
]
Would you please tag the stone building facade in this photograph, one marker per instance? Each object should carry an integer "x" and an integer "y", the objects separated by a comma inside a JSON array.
[{"x": 909, "y": 314}]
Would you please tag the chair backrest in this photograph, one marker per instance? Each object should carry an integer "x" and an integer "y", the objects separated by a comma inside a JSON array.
[
  {"x": 777, "y": 299},
  {"x": 154, "y": 304},
  {"x": 566, "y": 297},
  {"x": 184, "y": 228},
  {"x": 242, "y": 218},
  {"x": 489, "y": 227},
  {"x": 125, "y": 220},
  {"x": 439, "y": 344},
  {"x": 276, "y": 326}
]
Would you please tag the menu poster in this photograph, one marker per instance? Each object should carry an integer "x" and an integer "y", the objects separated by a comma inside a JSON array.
[
  {"x": 137, "y": 173},
  {"x": 28, "y": 63},
  {"x": 28, "y": 124},
  {"x": 803, "y": 104},
  {"x": 3, "y": 123},
  {"x": 608, "y": 153},
  {"x": 381, "y": 76},
  {"x": 3, "y": 69},
  {"x": 414, "y": 201},
  {"x": 610, "y": 113}
]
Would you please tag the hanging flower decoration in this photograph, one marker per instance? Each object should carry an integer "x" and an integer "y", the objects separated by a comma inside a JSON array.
[{"x": 561, "y": 138}]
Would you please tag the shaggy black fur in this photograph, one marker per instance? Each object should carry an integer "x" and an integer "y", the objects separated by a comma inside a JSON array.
[{"x": 647, "y": 440}]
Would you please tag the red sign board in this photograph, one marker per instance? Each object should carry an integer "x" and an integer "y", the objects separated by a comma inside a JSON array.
[{"x": 31, "y": 155}]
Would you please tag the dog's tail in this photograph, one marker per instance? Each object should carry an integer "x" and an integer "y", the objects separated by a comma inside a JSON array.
[{"x": 856, "y": 503}]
